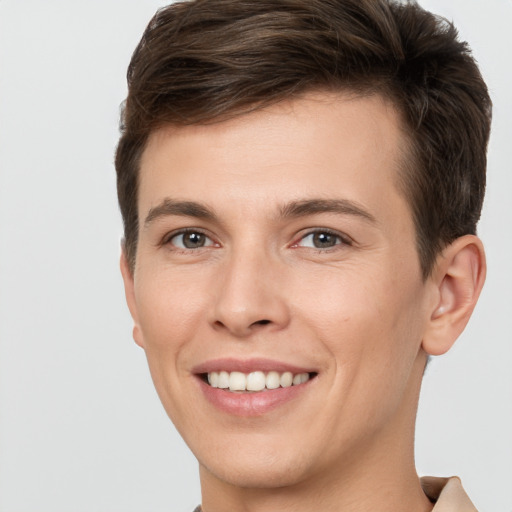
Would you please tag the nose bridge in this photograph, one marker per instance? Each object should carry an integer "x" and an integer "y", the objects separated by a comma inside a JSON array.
[{"x": 249, "y": 292}]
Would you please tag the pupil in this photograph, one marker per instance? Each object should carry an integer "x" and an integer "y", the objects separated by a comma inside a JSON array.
[
  {"x": 324, "y": 240},
  {"x": 193, "y": 240}
]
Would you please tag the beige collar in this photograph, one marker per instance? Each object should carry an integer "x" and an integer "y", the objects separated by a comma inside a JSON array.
[{"x": 448, "y": 494}]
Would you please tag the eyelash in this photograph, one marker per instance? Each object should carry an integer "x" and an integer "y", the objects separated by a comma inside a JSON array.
[
  {"x": 342, "y": 240},
  {"x": 182, "y": 232}
]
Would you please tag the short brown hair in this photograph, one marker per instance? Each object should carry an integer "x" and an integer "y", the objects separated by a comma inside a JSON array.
[{"x": 202, "y": 61}]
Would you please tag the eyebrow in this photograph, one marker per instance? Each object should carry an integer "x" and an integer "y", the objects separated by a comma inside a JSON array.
[
  {"x": 337, "y": 206},
  {"x": 180, "y": 208},
  {"x": 302, "y": 208}
]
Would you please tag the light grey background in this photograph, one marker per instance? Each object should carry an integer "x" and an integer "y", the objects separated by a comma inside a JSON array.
[{"x": 81, "y": 428}]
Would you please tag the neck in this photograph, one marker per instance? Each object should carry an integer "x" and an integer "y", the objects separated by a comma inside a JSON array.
[{"x": 378, "y": 475}]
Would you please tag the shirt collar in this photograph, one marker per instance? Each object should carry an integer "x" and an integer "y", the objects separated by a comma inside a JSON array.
[{"x": 447, "y": 494}]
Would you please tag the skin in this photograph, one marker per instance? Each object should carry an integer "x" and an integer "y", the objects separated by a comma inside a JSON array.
[{"x": 358, "y": 312}]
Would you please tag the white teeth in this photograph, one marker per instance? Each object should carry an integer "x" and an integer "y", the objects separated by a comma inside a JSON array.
[
  {"x": 255, "y": 381},
  {"x": 300, "y": 378},
  {"x": 273, "y": 380},
  {"x": 223, "y": 380},
  {"x": 213, "y": 379},
  {"x": 237, "y": 381},
  {"x": 286, "y": 379}
]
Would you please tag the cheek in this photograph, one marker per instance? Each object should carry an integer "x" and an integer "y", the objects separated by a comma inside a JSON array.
[
  {"x": 169, "y": 309},
  {"x": 370, "y": 323}
]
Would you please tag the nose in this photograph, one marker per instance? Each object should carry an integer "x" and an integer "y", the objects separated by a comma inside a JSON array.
[{"x": 250, "y": 295}]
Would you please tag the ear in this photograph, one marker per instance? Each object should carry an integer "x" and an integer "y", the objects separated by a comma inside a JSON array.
[
  {"x": 458, "y": 278},
  {"x": 129, "y": 291}
]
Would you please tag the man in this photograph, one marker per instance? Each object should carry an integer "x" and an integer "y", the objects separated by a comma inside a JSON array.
[{"x": 300, "y": 182}]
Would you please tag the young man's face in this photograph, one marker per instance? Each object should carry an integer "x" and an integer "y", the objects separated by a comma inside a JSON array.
[{"x": 279, "y": 242}]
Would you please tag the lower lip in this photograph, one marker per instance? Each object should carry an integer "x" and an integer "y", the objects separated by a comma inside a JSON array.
[{"x": 251, "y": 404}]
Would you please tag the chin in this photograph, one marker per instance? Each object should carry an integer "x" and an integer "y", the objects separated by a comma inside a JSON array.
[
  {"x": 274, "y": 457},
  {"x": 257, "y": 474}
]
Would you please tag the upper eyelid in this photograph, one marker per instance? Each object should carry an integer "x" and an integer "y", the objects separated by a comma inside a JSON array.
[
  {"x": 346, "y": 239},
  {"x": 182, "y": 231}
]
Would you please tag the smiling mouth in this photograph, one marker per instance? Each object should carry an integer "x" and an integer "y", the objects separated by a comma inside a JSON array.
[{"x": 238, "y": 382}]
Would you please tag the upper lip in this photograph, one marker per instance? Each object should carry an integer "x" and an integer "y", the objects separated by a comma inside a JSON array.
[{"x": 248, "y": 365}]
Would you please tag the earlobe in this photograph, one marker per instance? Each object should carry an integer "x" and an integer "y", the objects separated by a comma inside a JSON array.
[
  {"x": 129, "y": 291},
  {"x": 458, "y": 276}
]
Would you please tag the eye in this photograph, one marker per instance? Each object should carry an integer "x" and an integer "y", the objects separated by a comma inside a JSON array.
[
  {"x": 321, "y": 239},
  {"x": 190, "y": 240}
]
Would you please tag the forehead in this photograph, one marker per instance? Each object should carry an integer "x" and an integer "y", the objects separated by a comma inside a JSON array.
[{"x": 322, "y": 145}]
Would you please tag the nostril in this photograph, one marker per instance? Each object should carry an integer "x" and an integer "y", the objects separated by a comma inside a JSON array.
[
  {"x": 261, "y": 322},
  {"x": 218, "y": 323}
]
